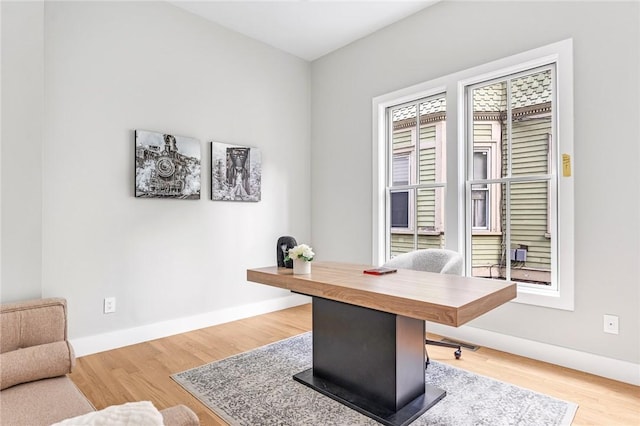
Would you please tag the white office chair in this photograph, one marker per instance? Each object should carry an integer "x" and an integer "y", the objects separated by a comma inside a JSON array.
[{"x": 431, "y": 260}]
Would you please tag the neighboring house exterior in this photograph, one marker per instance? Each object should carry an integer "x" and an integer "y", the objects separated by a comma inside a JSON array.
[{"x": 527, "y": 153}]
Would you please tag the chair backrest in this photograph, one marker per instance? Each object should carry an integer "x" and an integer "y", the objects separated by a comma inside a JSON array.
[
  {"x": 32, "y": 322},
  {"x": 431, "y": 260}
]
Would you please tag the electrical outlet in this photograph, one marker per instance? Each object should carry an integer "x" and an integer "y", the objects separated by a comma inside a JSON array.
[
  {"x": 109, "y": 305},
  {"x": 611, "y": 324}
]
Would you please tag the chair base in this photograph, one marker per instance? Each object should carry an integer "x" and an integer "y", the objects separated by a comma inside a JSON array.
[{"x": 457, "y": 353}]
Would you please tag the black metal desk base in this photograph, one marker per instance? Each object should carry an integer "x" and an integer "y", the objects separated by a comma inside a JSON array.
[
  {"x": 402, "y": 417},
  {"x": 371, "y": 361}
]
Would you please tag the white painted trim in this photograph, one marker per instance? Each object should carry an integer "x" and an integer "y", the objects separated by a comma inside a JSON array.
[
  {"x": 615, "y": 369},
  {"x": 116, "y": 339}
]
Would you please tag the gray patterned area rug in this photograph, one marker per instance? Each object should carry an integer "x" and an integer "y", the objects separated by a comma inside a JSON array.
[{"x": 257, "y": 388}]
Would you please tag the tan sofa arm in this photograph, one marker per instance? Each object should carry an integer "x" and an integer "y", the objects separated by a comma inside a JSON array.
[
  {"x": 179, "y": 415},
  {"x": 33, "y": 344},
  {"x": 35, "y": 363},
  {"x": 32, "y": 323}
]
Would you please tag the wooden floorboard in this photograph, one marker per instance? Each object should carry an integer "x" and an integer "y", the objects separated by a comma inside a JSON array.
[{"x": 141, "y": 372}]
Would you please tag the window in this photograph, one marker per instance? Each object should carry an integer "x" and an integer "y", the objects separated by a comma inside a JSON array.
[
  {"x": 416, "y": 177},
  {"x": 474, "y": 156},
  {"x": 523, "y": 104}
]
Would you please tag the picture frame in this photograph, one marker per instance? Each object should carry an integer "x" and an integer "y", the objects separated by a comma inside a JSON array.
[
  {"x": 167, "y": 166},
  {"x": 236, "y": 172}
]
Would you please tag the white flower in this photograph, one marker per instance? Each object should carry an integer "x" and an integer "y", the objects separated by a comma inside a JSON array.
[{"x": 301, "y": 251}]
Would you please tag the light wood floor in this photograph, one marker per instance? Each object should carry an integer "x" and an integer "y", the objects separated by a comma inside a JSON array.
[{"x": 141, "y": 372}]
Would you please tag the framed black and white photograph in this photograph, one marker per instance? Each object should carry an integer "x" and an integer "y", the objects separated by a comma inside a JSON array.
[
  {"x": 235, "y": 172},
  {"x": 167, "y": 166}
]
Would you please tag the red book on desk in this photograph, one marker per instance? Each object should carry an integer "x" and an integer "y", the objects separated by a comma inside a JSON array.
[{"x": 379, "y": 271}]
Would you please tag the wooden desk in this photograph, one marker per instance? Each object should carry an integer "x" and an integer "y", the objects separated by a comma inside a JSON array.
[{"x": 368, "y": 331}]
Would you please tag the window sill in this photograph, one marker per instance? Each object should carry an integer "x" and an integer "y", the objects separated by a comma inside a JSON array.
[{"x": 546, "y": 298}]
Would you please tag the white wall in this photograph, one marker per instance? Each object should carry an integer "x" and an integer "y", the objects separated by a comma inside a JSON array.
[
  {"x": 22, "y": 125},
  {"x": 453, "y": 36},
  {"x": 112, "y": 67}
]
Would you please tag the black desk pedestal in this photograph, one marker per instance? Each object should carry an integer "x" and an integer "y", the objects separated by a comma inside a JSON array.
[{"x": 371, "y": 361}]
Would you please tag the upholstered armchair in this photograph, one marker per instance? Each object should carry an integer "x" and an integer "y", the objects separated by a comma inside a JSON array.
[{"x": 35, "y": 358}]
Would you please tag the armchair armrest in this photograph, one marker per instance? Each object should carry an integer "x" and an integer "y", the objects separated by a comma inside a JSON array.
[
  {"x": 33, "y": 344},
  {"x": 33, "y": 322},
  {"x": 179, "y": 415}
]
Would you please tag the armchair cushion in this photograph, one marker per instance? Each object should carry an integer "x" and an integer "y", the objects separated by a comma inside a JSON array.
[
  {"x": 42, "y": 402},
  {"x": 35, "y": 363}
]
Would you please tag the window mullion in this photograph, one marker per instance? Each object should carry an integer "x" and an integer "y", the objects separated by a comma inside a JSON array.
[
  {"x": 507, "y": 229},
  {"x": 507, "y": 209},
  {"x": 416, "y": 176},
  {"x": 389, "y": 182},
  {"x": 509, "y": 129},
  {"x": 415, "y": 219},
  {"x": 469, "y": 179},
  {"x": 416, "y": 169}
]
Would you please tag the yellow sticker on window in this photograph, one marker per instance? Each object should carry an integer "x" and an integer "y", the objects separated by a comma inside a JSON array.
[{"x": 566, "y": 165}]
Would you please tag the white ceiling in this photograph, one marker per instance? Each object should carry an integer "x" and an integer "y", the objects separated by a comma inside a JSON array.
[{"x": 308, "y": 29}]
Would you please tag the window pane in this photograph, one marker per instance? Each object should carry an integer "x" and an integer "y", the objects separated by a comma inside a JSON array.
[
  {"x": 432, "y": 117},
  {"x": 403, "y": 144},
  {"x": 530, "y": 241},
  {"x": 487, "y": 254},
  {"x": 531, "y": 123},
  {"x": 430, "y": 218},
  {"x": 403, "y": 118},
  {"x": 489, "y": 129},
  {"x": 400, "y": 209},
  {"x": 401, "y": 238},
  {"x": 400, "y": 172},
  {"x": 401, "y": 243}
]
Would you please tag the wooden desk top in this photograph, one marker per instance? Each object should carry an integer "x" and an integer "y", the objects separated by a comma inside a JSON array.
[{"x": 441, "y": 298}]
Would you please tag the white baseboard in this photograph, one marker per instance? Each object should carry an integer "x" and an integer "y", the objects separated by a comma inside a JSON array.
[
  {"x": 117, "y": 339},
  {"x": 615, "y": 369}
]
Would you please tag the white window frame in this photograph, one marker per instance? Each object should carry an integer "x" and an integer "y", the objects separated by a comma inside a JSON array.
[{"x": 560, "y": 53}]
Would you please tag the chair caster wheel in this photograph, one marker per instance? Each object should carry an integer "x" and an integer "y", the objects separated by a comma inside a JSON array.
[{"x": 458, "y": 354}]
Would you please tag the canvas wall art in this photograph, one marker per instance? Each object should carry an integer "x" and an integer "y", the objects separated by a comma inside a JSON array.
[
  {"x": 235, "y": 172},
  {"x": 167, "y": 166}
]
